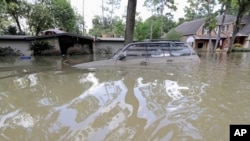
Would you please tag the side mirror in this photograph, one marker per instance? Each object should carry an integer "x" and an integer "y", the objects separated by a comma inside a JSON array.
[{"x": 121, "y": 57}]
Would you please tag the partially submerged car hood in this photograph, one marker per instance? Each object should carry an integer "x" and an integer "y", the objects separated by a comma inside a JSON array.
[{"x": 95, "y": 64}]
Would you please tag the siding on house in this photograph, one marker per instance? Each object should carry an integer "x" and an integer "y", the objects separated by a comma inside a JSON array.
[
  {"x": 23, "y": 46},
  {"x": 114, "y": 43},
  {"x": 16, "y": 42},
  {"x": 54, "y": 42},
  {"x": 247, "y": 44},
  {"x": 62, "y": 42}
]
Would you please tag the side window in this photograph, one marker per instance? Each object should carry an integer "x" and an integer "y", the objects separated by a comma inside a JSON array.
[
  {"x": 158, "y": 50},
  {"x": 165, "y": 48},
  {"x": 180, "y": 49},
  {"x": 135, "y": 51}
]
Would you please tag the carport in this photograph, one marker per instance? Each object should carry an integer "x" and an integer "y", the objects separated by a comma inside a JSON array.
[{"x": 66, "y": 40}]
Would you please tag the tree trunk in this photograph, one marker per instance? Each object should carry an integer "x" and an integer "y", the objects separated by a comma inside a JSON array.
[
  {"x": 219, "y": 30},
  {"x": 18, "y": 23},
  {"x": 210, "y": 41},
  {"x": 235, "y": 31},
  {"x": 103, "y": 14},
  {"x": 130, "y": 21},
  {"x": 209, "y": 32},
  {"x": 221, "y": 24},
  {"x": 37, "y": 30},
  {"x": 244, "y": 6},
  {"x": 241, "y": 11}
]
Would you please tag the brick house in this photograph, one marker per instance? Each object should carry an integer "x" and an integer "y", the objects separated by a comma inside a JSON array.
[{"x": 194, "y": 32}]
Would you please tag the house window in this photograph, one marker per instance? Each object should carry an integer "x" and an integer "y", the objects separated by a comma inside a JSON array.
[
  {"x": 223, "y": 28},
  {"x": 216, "y": 29},
  {"x": 227, "y": 27},
  {"x": 204, "y": 31}
]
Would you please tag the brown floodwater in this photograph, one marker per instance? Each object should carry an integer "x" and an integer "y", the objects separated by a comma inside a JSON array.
[{"x": 46, "y": 99}]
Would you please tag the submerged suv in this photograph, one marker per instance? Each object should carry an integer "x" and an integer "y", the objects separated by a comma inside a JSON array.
[{"x": 146, "y": 53}]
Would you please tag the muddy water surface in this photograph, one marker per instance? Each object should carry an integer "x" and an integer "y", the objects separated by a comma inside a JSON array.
[{"x": 45, "y": 99}]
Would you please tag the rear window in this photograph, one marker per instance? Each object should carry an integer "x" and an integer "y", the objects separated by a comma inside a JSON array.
[{"x": 158, "y": 49}]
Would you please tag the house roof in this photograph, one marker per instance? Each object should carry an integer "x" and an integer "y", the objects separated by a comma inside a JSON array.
[
  {"x": 24, "y": 38},
  {"x": 59, "y": 35},
  {"x": 110, "y": 39},
  {"x": 228, "y": 19},
  {"x": 245, "y": 31},
  {"x": 246, "y": 19},
  {"x": 190, "y": 27},
  {"x": 13, "y": 37}
]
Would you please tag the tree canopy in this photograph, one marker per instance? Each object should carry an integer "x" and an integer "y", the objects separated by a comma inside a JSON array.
[
  {"x": 151, "y": 27},
  {"x": 38, "y": 15},
  {"x": 242, "y": 7},
  {"x": 106, "y": 26},
  {"x": 34, "y": 16}
]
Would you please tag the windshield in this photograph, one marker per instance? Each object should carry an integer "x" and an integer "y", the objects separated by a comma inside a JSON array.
[{"x": 180, "y": 49}]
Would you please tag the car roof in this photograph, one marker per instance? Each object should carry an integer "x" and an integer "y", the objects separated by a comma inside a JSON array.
[{"x": 160, "y": 42}]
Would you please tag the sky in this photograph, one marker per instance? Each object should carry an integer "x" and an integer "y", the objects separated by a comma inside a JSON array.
[{"x": 93, "y": 7}]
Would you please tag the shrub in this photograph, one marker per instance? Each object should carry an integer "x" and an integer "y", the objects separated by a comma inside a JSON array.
[
  {"x": 86, "y": 49},
  {"x": 238, "y": 45},
  {"x": 240, "y": 49},
  {"x": 173, "y": 35},
  {"x": 51, "y": 52},
  {"x": 107, "y": 50},
  {"x": 9, "y": 51},
  {"x": 39, "y": 46},
  {"x": 77, "y": 51}
]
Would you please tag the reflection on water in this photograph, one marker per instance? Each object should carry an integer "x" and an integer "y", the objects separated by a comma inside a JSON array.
[{"x": 46, "y": 99}]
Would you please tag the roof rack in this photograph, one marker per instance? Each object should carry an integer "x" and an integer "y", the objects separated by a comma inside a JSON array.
[{"x": 158, "y": 40}]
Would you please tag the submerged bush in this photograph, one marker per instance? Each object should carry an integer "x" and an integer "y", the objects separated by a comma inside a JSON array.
[
  {"x": 38, "y": 47},
  {"x": 51, "y": 52},
  {"x": 78, "y": 51},
  {"x": 240, "y": 49},
  {"x": 9, "y": 51},
  {"x": 107, "y": 50},
  {"x": 238, "y": 45}
]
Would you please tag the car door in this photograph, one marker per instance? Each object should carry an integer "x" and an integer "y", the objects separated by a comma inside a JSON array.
[{"x": 134, "y": 54}]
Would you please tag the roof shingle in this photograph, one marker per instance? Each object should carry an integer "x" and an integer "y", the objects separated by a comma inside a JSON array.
[{"x": 190, "y": 27}]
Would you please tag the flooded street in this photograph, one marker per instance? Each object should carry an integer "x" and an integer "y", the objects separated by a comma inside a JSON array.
[{"x": 45, "y": 99}]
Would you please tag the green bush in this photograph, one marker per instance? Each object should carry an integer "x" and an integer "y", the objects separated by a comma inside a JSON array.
[
  {"x": 39, "y": 46},
  {"x": 238, "y": 45},
  {"x": 9, "y": 51},
  {"x": 77, "y": 51},
  {"x": 51, "y": 52},
  {"x": 107, "y": 50},
  {"x": 240, "y": 49},
  {"x": 173, "y": 35}
]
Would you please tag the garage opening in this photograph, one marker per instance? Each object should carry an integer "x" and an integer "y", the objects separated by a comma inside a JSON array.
[{"x": 200, "y": 45}]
